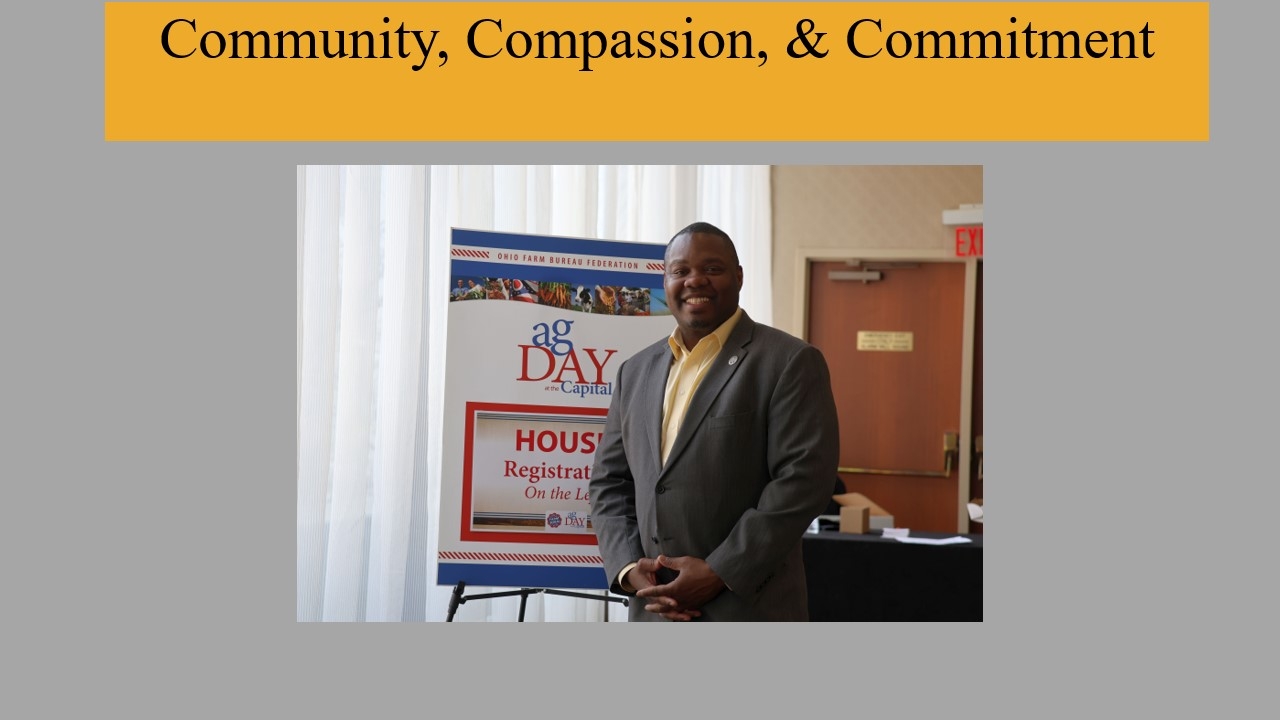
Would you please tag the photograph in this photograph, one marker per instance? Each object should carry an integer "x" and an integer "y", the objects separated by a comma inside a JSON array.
[{"x": 680, "y": 348}]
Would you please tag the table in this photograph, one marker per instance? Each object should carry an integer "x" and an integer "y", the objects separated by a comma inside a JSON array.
[{"x": 865, "y": 577}]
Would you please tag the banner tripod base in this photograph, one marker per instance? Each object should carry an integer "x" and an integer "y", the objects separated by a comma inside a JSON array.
[{"x": 458, "y": 598}]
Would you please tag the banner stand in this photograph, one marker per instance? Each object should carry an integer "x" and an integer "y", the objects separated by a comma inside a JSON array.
[
  {"x": 458, "y": 598},
  {"x": 537, "y": 328}
]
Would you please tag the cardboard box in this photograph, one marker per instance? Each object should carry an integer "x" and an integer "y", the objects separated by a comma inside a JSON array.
[
  {"x": 855, "y": 518},
  {"x": 878, "y": 517}
]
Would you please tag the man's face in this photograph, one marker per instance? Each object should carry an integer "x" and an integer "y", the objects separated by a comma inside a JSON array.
[{"x": 702, "y": 284}]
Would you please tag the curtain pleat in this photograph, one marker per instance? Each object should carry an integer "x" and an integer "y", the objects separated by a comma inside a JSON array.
[
  {"x": 347, "y": 555},
  {"x": 318, "y": 296},
  {"x": 403, "y": 213}
]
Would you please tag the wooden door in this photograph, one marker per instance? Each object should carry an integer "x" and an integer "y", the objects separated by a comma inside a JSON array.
[{"x": 898, "y": 396}]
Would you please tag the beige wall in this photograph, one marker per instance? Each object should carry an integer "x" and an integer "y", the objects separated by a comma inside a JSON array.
[{"x": 882, "y": 209}]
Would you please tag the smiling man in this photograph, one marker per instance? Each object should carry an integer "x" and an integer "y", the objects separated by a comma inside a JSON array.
[{"x": 719, "y": 449}]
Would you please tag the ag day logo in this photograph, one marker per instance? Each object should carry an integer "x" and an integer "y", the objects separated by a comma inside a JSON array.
[
  {"x": 570, "y": 521},
  {"x": 552, "y": 359}
]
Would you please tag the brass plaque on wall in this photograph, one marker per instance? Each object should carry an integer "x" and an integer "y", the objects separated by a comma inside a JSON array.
[{"x": 886, "y": 341}]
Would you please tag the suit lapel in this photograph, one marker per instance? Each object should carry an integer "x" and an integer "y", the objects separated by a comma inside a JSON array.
[{"x": 723, "y": 368}]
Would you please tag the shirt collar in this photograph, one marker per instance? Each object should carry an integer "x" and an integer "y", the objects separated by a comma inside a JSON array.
[{"x": 721, "y": 335}]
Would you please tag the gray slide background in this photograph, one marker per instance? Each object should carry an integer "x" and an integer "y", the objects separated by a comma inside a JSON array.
[{"x": 148, "y": 460}]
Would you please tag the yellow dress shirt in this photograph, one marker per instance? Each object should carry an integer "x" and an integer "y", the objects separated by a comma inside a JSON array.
[{"x": 687, "y": 370}]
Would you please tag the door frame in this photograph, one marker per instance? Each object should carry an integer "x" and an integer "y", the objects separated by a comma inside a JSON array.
[{"x": 806, "y": 256}]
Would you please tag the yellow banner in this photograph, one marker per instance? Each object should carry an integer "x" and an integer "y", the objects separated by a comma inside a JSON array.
[{"x": 745, "y": 71}]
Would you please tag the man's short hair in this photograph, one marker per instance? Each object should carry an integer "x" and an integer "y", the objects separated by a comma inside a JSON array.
[{"x": 705, "y": 228}]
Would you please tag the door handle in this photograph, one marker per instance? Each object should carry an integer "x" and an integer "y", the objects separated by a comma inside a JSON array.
[{"x": 950, "y": 445}]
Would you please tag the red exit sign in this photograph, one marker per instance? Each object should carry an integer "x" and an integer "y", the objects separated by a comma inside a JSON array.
[{"x": 969, "y": 241}]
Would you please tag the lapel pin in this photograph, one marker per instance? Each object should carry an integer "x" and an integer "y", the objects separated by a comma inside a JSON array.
[{"x": 733, "y": 359}]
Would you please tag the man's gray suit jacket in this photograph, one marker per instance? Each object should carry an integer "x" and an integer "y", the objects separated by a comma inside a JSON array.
[{"x": 752, "y": 465}]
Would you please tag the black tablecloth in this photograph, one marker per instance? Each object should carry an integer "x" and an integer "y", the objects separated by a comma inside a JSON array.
[{"x": 854, "y": 577}]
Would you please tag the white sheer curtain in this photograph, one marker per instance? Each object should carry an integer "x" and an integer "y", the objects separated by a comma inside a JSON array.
[{"x": 373, "y": 255}]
